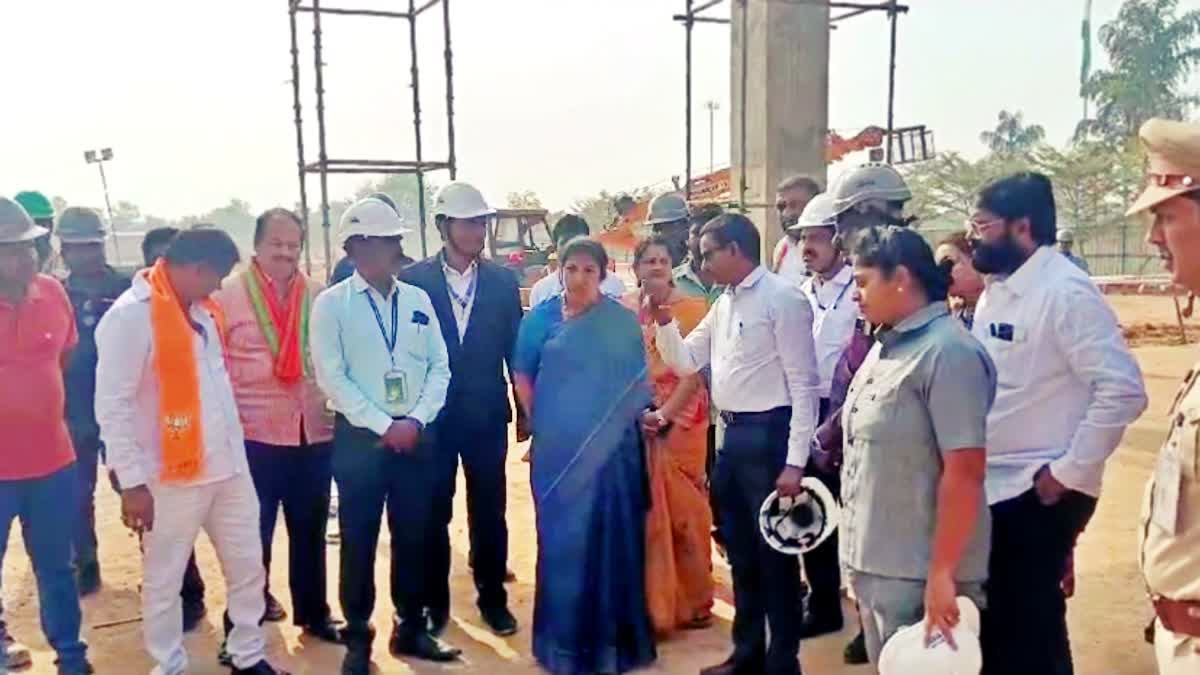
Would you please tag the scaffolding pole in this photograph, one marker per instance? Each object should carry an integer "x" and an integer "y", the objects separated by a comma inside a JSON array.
[
  {"x": 296, "y": 106},
  {"x": 416, "y": 95},
  {"x": 322, "y": 155}
]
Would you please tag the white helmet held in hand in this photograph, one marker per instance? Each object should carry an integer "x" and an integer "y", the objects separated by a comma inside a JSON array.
[
  {"x": 462, "y": 201},
  {"x": 818, "y": 213},
  {"x": 906, "y": 653},
  {"x": 370, "y": 218},
  {"x": 796, "y": 525},
  {"x": 869, "y": 182}
]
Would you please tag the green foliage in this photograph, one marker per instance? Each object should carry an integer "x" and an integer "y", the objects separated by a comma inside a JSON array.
[
  {"x": 1011, "y": 135},
  {"x": 1152, "y": 51}
]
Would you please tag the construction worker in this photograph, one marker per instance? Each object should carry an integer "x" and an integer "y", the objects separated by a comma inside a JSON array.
[
  {"x": 668, "y": 218},
  {"x": 867, "y": 196},
  {"x": 41, "y": 210},
  {"x": 792, "y": 195},
  {"x": 345, "y": 267},
  {"x": 380, "y": 357},
  {"x": 1066, "y": 244},
  {"x": 478, "y": 306},
  {"x": 38, "y": 481},
  {"x": 93, "y": 286},
  {"x": 1170, "y": 527}
]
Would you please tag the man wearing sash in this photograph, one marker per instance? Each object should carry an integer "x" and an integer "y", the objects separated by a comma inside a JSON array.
[
  {"x": 288, "y": 432},
  {"x": 170, "y": 424}
]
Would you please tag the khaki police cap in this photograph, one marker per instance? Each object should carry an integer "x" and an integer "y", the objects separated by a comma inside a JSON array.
[{"x": 1173, "y": 159}]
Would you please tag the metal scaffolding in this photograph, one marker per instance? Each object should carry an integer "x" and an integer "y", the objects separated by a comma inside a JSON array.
[
  {"x": 694, "y": 14},
  {"x": 324, "y": 165}
]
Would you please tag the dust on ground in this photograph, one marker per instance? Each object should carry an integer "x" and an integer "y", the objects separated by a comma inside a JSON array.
[{"x": 1106, "y": 616}]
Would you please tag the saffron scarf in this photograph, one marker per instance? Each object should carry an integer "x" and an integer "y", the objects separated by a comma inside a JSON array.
[
  {"x": 284, "y": 325},
  {"x": 179, "y": 403}
]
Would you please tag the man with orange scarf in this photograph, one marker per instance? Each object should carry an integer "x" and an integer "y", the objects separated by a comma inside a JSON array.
[
  {"x": 170, "y": 423},
  {"x": 288, "y": 430}
]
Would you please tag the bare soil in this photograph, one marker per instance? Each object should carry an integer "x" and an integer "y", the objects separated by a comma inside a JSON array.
[{"x": 1106, "y": 616}]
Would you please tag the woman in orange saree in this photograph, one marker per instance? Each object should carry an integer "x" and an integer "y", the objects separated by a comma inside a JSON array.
[{"x": 679, "y": 582}]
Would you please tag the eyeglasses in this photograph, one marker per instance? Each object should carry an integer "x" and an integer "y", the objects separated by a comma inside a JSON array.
[
  {"x": 978, "y": 224},
  {"x": 707, "y": 256}
]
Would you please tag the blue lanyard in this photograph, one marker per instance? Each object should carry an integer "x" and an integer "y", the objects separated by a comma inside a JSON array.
[
  {"x": 836, "y": 301},
  {"x": 464, "y": 300},
  {"x": 389, "y": 342}
]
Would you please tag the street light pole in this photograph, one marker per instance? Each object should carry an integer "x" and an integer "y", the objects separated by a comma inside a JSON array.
[
  {"x": 99, "y": 158},
  {"x": 712, "y": 107}
]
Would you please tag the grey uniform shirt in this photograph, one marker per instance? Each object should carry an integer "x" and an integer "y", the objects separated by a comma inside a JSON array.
[{"x": 924, "y": 390}]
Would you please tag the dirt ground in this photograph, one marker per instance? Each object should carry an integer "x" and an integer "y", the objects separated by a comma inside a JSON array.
[{"x": 1106, "y": 616}]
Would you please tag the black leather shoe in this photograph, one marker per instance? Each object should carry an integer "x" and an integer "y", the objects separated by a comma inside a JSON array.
[
  {"x": 193, "y": 614},
  {"x": 734, "y": 666},
  {"x": 260, "y": 668},
  {"x": 421, "y": 645},
  {"x": 816, "y": 625},
  {"x": 437, "y": 620},
  {"x": 855, "y": 653},
  {"x": 275, "y": 611},
  {"x": 357, "y": 661},
  {"x": 328, "y": 630},
  {"x": 500, "y": 620}
]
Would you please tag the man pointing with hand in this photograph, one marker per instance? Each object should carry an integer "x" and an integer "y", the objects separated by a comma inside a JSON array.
[
  {"x": 758, "y": 339},
  {"x": 379, "y": 356}
]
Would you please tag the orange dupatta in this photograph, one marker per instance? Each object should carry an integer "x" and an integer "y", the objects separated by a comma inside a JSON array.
[{"x": 179, "y": 404}]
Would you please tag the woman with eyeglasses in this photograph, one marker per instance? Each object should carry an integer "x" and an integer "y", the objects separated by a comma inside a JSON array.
[
  {"x": 966, "y": 283},
  {"x": 580, "y": 373},
  {"x": 915, "y": 530},
  {"x": 679, "y": 582}
]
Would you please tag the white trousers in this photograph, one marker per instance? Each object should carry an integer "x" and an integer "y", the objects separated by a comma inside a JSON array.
[
  {"x": 228, "y": 511},
  {"x": 1177, "y": 654}
]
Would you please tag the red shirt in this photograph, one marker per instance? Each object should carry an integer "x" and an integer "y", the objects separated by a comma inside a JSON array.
[{"x": 35, "y": 337}]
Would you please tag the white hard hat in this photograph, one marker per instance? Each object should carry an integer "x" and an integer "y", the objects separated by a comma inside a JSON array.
[
  {"x": 906, "y": 653},
  {"x": 370, "y": 218},
  {"x": 460, "y": 200},
  {"x": 819, "y": 212},
  {"x": 795, "y": 525},
  {"x": 1066, "y": 235},
  {"x": 869, "y": 181}
]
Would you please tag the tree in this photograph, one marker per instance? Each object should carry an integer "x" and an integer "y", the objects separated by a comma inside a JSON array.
[
  {"x": 1094, "y": 182},
  {"x": 1152, "y": 53},
  {"x": 948, "y": 185},
  {"x": 527, "y": 199},
  {"x": 1011, "y": 135},
  {"x": 126, "y": 216}
]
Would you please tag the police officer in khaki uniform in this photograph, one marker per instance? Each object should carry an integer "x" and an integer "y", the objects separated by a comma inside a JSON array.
[{"x": 1170, "y": 527}]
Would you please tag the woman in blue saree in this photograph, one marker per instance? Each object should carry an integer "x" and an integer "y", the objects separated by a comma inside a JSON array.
[{"x": 581, "y": 374}]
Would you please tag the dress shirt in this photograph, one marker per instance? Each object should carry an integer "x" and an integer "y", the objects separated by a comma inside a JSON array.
[
  {"x": 351, "y": 356},
  {"x": 758, "y": 339},
  {"x": 461, "y": 287},
  {"x": 1068, "y": 385},
  {"x": 834, "y": 312},
  {"x": 551, "y": 285},
  {"x": 127, "y": 390},
  {"x": 272, "y": 411},
  {"x": 790, "y": 257}
]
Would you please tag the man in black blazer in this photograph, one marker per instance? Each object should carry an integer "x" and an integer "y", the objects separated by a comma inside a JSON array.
[{"x": 479, "y": 308}]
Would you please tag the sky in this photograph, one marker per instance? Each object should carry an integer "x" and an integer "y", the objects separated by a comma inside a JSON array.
[{"x": 561, "y": 97}]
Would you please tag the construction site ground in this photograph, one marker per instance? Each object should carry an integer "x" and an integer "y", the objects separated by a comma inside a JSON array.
[{"x": 1107, "y": 615}]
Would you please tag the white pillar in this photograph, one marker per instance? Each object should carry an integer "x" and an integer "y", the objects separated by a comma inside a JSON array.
[{"x": 786, "y": 101}]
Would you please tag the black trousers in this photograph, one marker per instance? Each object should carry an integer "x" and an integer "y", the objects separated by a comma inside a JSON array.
[
  {"x": 483, "y": 453},
  {"x": 766, "y": 583},
  {"x": 710, "y": 468},
  {"x": 370, "y": 478},
  {"x": 1025, "y": 624},
  {"x": 87, "y": 456},
  {"x": 296, "y": 478},
  {"x": 821, "y": 565}
]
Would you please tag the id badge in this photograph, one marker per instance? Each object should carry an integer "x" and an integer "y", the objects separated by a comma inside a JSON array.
[
  {"x": 395, "y": 388},
  {"x": 1168, "y": 476}
]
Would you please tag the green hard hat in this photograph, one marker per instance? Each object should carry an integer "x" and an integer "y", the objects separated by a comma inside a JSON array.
[
  {"x": 36, "y": 204},
  {"x": 81, "y": 225}
]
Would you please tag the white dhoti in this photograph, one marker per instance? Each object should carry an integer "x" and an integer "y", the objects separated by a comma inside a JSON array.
[
  {"x": 1177, "y": 654},
  {"x": 228, "y": 511}
]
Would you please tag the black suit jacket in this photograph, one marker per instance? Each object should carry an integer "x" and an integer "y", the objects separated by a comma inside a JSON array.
[{"x": 478, "y": 396}]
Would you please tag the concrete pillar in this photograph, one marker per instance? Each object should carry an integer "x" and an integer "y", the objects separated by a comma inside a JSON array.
[{"x": 786, "y": 101}]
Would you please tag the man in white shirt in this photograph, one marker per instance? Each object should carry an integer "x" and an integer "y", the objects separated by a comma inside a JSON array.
[
  {"x": 170, "y": 424},
  {"x": 757, "y": 338},
  {"x": 835, "y": 311},
  {"x": 567, "y": 228},
  {"x": 792, "y": 195},
  {"x": 379, "y": 355},
  {"x": 1068, "y": 386}
]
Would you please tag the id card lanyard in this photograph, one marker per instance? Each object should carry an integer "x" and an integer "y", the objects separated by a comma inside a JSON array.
[
  {"x": 395, "y": 382},
  {"x": 389, "y": 342}
]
